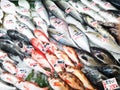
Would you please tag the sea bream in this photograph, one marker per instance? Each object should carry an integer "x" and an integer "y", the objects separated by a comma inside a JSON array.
[
  {"x": 41, "y": 10},
  {"x": 54, "y": 9},
  {"x": 104, "y": 42},
  {"x": 79, "y": 37}
]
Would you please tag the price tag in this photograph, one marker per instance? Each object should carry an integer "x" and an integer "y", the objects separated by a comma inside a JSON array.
[{"x": 110, "y": 84}]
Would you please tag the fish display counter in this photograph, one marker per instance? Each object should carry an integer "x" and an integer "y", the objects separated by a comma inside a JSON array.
[{"x": 60, "y": 44}]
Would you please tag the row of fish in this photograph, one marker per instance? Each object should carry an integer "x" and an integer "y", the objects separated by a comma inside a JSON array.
[{"x": 72, "y": 38}]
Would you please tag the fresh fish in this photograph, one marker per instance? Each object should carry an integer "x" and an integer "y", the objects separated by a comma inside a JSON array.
[
  {"x": 9, "y": 47},
  {"x": 3, "y": 34},
  {"x": 103, "y": 55},
  {"x": 72, "y": 54},
  {"x": 79, "y": 37},
  {"x": 94, "y": 76},
  {"x": 110, "y": 70},
  {"x": 35, "y": 65},
  {"x": 24, "y": 3},
  {"x": 87, "y": 58},
  {"x": 107, "y": 43},
  {"x": 63, "y": 56},
  {"x": 82, "y": 27},
  {"x": 61, "y": 37},
  {"x": 7, "y": 6},
  {"x": 95, "y": 24},
  {"x": 15, "y": 35},
  {"x": 1, "y": 16},
  {"x": 91, "y": 4},
  {"x": 40, "y": 24},
  {"x": 83, "y": 9},
  {"x": 41, "y": 59},
  {"x": 58, "y": 84},
  {"x": 59, "y": 24},
  {"x": 66, "y": 7},
  {"x": 56, "y": 63},
  {"x": 5, "y": 86},
  {"x": 105, "y": 4},
  {"x": 41, "y": 10},
  {"x": 41, "y": 36},
  {"x": 26, "y": 85},
  {"x": 23, "y": 11},
  {"x": 54, "y": 9},
  {"x": 26, "y": 20},
  {"x": 9, "y": 21},
  {"x": 71, "y": 80},
  {"x": 77, "y": 72},
  {"x": 22, "y": 28},
  {"x": 9, "y": 78},
  {"x": 8, "y": 66}
]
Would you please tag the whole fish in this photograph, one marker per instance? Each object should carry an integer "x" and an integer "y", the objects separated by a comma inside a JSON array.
[
  {"x": 87, "y": 58},
  {"x": 23, "y": 11},
  {"x": 58, "y": 84},
  {"x": 1, "y": 15},
  {"x": 41, "y": 10},
  {"x": 107, "y": 43},
  {"x": 26, "y": 20},
  {"x": 41, "y": 59},
  {"x": 7, "y": 6},
  {"x": 95, "y": 24},
  {"x": 94, "y": 76},
  {"x": 54, "y": 9},
  {"x": 63, "y": 56},
  {"x": 61, "y": 37},
  {"x": 9, "y": 47},
  {"x": 110, "y": 70},
  {"x": 71, "y": 80},
  {"x": 79, "y": 37},
  {"x": 9, "y": 21},
  {"x": 103, "y": 55},
  {"x": 40, "y": 23},
  {"x": 24, "y": 3},
  {"x": 35, "y": 65},
  {"x": 83, "y": 9},
  {"x": 105, "y": 4},
  {"x": 84, "y": 28},
  {"x": 66, "y": 7},
  {"x": 15, "y": 35},
  {"x": 91, "y": 4},
  {"x": 22, "y": 28},
  {"x": 77, "y": 72}
]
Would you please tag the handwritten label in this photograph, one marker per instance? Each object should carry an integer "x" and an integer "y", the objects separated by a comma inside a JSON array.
[
  {"x": 77, "y": 35},
  {"x": 93, "y": 4},
  {"x": 86, "y": 8},
  {"x": 107, "y": 4},
  {"x": 59, "y": 36},
  {"x": 40, "y": 9},
  {"x": 68, "y": 10},
  {"x": 53, "y": 7},
  {"x": 110, "y": 84}
]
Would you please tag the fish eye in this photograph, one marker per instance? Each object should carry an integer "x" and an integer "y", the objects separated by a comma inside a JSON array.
[
  {"x": 84, "y": 57},
  {"x": 100, "y": 56}
]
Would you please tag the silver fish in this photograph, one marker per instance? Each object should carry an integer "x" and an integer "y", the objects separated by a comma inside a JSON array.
[
  {"x": 41, "y": 10},
  {"x": 7, "y": 6},
  {"x": 105, "y": 5},
  {"x": 79, "y": 37},
  {"x": 24, "y": 3},
  {"x": 95, "y": 24},
  {"x": 23, "y": 11},
  {"x": 104, "y": 42},
  {"x": 26, "y": 20},
  {"x": 54, "y": 9},
  {"x": 91, "y": 5},
  {"x": 66, "y": 7},
  {"x": 61, "y": 37},
  {"x": 9, "y": 21},
  {"x": 22, "y": 28},
  {"x": 84, "y": 28},
  {"x": 82, "y": 8}
]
